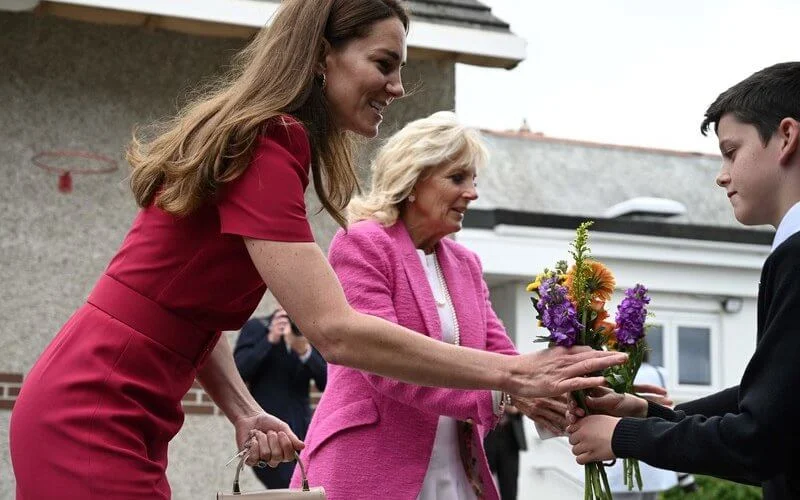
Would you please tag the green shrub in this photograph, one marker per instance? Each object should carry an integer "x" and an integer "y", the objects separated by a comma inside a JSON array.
[{"x": 712, "y": 488}]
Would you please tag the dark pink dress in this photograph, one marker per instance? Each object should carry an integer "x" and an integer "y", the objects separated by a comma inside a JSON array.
[{"x": 98, "y": 408}]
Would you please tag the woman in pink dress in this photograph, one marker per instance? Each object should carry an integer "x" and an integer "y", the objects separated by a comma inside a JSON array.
[{"x": 223, "y": 217}]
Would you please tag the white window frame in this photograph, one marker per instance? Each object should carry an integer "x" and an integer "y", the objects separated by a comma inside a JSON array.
[{"x": 671, "y": 321}]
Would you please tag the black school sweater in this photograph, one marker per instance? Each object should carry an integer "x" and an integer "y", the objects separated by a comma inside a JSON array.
[{"x": 747, "y": 433}]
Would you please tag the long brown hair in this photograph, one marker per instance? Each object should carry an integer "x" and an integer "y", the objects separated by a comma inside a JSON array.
[{"x": 210, "y": 141}]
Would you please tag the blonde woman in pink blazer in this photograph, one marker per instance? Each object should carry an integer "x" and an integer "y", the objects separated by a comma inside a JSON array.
[{"x": 373, "y": 437}]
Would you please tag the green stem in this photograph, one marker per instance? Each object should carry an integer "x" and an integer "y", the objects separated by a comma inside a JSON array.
[
  {"x": 580, "y": 398},
  {"x": 625, "y": 472},
  {"x": 596, "y": 483},
  {"x": 604, "y": 477},
  {"x": 638, "y": 474},
  {"x": 629, "y": 475},
  {"x": 587, "y": 481},
  {"x": 585, "y": 327}
]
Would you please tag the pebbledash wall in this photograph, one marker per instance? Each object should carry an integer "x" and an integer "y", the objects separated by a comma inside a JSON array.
[{"x": 66, "y": 84}]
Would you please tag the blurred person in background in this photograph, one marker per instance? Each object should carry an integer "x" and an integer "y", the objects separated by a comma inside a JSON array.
[
  {"x": 503, "y": 444},
  {"x": 278, "y": 363}
]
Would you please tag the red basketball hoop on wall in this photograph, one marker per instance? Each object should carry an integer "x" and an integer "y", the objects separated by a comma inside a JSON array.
[{"x": 51, "y": 162}]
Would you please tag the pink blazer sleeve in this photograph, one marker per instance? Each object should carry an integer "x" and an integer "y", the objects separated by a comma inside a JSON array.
[{"x": 367, "y": 276}]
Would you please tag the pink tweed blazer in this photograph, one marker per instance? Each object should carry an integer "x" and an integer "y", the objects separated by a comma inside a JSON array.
[{"x": 371, "y": 437}]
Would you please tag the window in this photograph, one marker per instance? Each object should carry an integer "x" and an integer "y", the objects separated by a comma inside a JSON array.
[
  {"x": 686, "y": 345},
  {"x": 655, "y": 341},
  {"x": 694, "y": 355}
]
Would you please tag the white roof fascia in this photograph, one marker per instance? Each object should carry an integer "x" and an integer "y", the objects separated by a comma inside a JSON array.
[
  {"x": 254, "y": 13},
  {"x": 682, "y": 264},
  {"x": 495, "y": 44}
]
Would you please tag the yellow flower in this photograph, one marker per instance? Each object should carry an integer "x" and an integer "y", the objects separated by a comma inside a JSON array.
[{"x": 536, "y": 283}]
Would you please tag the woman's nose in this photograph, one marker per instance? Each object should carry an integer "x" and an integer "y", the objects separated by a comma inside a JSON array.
[{"x": 395, "y": 88}]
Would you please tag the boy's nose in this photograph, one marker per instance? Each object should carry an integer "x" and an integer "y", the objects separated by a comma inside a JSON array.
[{"x": 723, "y": 179}]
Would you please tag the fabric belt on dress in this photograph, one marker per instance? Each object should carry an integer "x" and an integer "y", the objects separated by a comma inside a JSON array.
[{"x": 153, "y": 321}]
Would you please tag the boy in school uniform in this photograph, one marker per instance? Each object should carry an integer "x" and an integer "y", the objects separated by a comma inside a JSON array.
[{"x": 745, "y": 433}]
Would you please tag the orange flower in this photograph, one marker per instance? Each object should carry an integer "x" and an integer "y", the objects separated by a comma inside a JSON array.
[
  {"x": 600, "y": 282},
  {"x": 599, "y": 307},
  {"x": 608, "y": 332}
]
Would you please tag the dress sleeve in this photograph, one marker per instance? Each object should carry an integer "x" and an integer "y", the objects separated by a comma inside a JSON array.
[{"x": 266, "y": 201}]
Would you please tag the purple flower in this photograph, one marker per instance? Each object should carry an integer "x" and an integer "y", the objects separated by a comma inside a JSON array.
[
  {"x": 558, "y": 314},
  {"x": 631, "y": 314}
]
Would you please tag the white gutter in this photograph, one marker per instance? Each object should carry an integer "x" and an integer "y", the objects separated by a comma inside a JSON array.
[
  {"x": 468, "y": 45},
  {"x": 671, "y": 264},
  {"x": 470, "y": 42}
]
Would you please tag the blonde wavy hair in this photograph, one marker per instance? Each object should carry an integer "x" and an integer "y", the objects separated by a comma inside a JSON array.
[
  {"x": 410, "y": 155},
  {"x": 210, "y": 141}
]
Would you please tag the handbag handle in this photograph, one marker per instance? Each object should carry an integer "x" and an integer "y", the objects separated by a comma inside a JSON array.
[{"x": 240, "y": 466}]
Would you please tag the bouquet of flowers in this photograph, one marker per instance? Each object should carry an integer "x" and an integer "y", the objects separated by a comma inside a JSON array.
[{"x": 570, "y": 304}]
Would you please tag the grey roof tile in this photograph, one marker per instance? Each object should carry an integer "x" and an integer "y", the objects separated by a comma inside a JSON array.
[
  {"x": 531, "y": 173},
  {"x": 457, "y": 12}
]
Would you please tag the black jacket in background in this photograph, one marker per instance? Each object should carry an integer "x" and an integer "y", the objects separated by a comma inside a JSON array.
[
  {"x": 746, "y": 433},
  {"x": 277, "y": 379}
]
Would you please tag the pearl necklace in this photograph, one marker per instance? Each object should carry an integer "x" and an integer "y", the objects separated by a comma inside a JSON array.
[{"x": 447, "y": 299}]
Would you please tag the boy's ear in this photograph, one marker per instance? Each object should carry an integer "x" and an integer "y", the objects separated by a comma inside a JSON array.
[{"x": 789, "y": 133}]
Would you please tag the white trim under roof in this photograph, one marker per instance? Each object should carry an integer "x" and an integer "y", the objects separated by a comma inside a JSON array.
[
  {"x": 678, "y": 265},
  {"x": 468, "y": 45}
]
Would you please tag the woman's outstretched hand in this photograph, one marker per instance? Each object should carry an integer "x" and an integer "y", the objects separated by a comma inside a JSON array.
[
  {"x": 267, "y": 439},
  {"x": 558, "y": 370},
  {"x": 549, "y": 414}
]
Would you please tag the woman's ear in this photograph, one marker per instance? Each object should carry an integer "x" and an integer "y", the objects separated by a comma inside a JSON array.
[
  {"x": 789, "y": 133},
  {"x": 322, "y": 62}
]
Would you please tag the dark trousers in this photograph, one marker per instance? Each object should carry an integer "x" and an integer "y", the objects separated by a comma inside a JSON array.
[
  {"x": 277, "y": 478},
  {"x": 502, "y": 452}
]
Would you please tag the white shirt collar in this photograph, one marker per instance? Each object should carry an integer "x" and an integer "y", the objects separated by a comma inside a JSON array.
[{"x": 789, "y": 225}]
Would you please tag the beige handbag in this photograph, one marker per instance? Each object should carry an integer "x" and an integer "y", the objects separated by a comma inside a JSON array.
[{"x": 305, "y": 492}]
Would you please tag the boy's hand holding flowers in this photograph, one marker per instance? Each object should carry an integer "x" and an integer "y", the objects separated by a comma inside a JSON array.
[
  {"x": 591, "y": 435},
  {"x": 590, "y": 438},
  {"x": 606, "y": 401}
]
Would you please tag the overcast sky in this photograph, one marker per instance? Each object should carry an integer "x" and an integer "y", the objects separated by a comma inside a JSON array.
[{"x": 635, "y": 72}]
